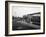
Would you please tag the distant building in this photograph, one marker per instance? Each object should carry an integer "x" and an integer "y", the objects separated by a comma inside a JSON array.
[{"x": 35, "y": 18}]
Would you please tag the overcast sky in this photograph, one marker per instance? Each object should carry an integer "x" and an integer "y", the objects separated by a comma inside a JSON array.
[{"x": 19, "y": 11}]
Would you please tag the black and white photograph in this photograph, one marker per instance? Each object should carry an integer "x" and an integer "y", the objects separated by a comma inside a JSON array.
[{"x": 24, "y": 18}]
